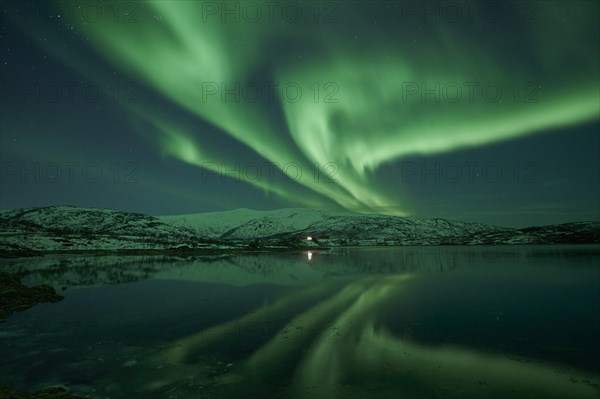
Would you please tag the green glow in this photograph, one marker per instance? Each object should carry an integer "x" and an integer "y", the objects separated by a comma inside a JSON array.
[
  {"x": 364, "y": 352},
  {"x": 372, "y": 123}
]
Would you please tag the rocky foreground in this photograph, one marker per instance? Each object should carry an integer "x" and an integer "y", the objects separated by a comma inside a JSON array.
[
  {"x": 15, "y": 297},
  {"x": 6, "y": 392}
]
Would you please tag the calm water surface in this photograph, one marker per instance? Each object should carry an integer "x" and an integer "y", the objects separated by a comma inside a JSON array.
[{"x": 412, "y": 322}]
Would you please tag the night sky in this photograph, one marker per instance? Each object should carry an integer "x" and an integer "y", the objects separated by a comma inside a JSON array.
[{"x": 478, "y": 111}]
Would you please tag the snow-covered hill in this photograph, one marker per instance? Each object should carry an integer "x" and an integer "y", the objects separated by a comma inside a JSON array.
[
  {"x": 71, "y": 228},
  {"x": 332, "y": 228},
  {"x": 249, "y": 224},
  {"x": 65, "y": 228}
]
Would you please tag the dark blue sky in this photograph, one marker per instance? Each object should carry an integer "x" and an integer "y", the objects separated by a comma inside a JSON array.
[{"x": 129, "y": 109}]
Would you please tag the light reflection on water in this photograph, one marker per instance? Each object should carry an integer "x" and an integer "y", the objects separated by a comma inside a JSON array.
[{"x": 447, "y": 322}]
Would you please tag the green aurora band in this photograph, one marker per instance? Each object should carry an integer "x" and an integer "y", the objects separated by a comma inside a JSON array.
[
  {"x": 364, "y": 351},
  {"x": 378, "y": 115}
]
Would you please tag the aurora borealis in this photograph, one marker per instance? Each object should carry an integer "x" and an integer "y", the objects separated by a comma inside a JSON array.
[{"x": 380, "y": 107}]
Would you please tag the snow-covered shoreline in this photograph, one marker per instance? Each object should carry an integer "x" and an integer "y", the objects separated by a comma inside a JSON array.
[{"x": 66, "y": 229}]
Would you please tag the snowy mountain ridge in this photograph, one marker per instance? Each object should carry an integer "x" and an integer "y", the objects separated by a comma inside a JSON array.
[
  {"x": 66, "y": 229},
  {"x": 297, "y": 223}
]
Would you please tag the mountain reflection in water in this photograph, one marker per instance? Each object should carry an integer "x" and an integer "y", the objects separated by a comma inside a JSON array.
[{"x": 447, "y": 322}]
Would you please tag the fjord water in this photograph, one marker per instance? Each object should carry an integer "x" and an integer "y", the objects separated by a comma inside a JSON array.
[{"x": 411, "y": 322}]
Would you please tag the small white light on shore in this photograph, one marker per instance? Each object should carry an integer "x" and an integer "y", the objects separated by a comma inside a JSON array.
[
  {"x": 309, "y": 238},
  {"x": 309, "y": 254}
]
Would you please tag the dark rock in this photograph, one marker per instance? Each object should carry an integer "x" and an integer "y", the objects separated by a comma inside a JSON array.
[
  {"x": 6, "y": 392},
  {"x": 15, "y": 297}
]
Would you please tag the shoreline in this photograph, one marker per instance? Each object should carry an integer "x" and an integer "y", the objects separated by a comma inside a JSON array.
[{"x": 8, "y": 255}]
